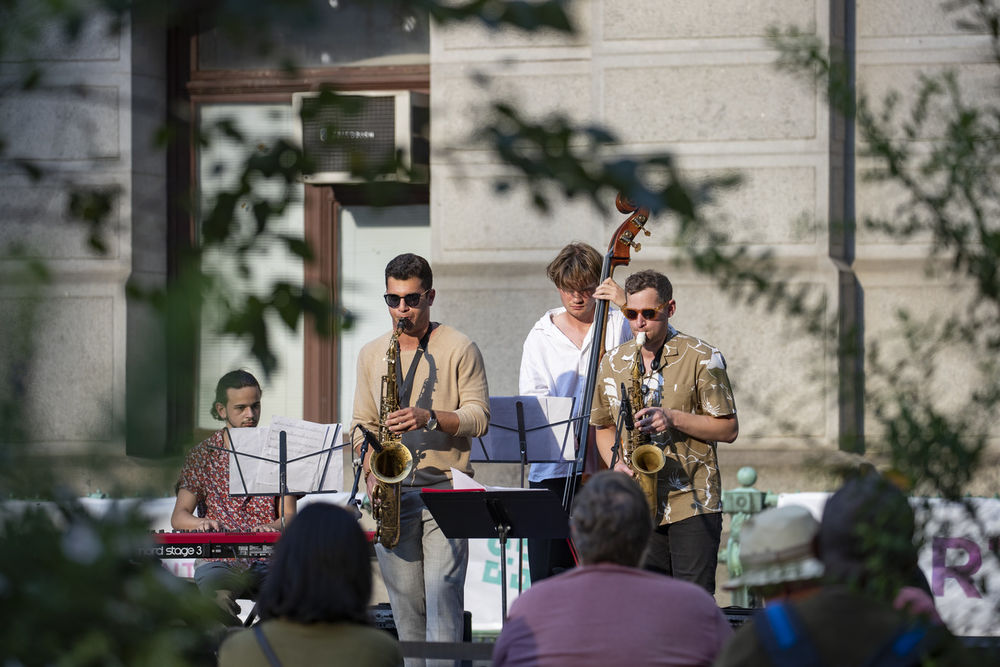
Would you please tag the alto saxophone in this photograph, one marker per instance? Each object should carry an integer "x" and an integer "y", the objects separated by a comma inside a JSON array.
[
  {"x": 392, "y": 462},
  {"x": 644, "y": 458}
]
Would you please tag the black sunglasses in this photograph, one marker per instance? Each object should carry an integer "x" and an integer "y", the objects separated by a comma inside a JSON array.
[
  {"x": 647, "y": 313},
  {"x": 392, "y": 300}
]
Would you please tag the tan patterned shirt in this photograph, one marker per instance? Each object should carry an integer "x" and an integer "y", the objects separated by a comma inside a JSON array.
[{"x": 692, "y": 378}]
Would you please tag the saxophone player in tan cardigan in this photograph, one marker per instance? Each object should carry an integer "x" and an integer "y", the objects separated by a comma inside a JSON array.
[{"x": 443, "y": 404}]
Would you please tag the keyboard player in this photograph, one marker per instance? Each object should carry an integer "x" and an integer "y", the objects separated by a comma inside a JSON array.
[{"x": 204, "y": 504}]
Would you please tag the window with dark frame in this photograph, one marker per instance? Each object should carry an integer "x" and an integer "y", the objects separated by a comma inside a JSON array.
[{"x": 208, "y": 65}]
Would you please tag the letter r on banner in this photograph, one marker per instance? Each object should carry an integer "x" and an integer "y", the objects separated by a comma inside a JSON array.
[{"x": 962, "y": 574}]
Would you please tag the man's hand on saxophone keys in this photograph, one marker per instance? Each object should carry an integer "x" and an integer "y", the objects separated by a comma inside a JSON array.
[
  {"x": 407, "y": 419},
  {"x": 652, "y": 420}
]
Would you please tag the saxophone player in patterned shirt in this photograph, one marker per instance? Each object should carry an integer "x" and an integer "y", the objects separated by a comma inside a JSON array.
[{"x": 687, "y": 408}]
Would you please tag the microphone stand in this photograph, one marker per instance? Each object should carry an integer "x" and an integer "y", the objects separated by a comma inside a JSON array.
[
  {"x": 626, "y": 420},
  {"x": 368, "y": 438}
]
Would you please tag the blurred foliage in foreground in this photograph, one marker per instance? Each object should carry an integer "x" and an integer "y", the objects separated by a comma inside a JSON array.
[
  {"x": 931, "y": 153},
  {"x": 74, "y": 592},
  {"x": 71, "y": 594}
]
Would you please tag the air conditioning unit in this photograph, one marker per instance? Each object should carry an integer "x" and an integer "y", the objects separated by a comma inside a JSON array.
[{"x": 363, "y": 129}]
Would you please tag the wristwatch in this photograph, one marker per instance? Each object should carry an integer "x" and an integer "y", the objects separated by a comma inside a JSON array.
[{"x": 432, "y": 423}]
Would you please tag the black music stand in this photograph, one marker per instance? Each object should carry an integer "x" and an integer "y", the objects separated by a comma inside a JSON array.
[
  {"x": 534, "y": 513},
  {"x": 523, "y": 430}
]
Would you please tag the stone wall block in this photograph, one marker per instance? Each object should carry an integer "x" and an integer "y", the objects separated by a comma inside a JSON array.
[
  {"x": 700, "y": 103},
  {"x": 68, "y": 374},
  {"x": 37, "y": 219},
  {"x": 461, "y": 109},
  {"x": 700, "y": 19},
  {"x": 63, "y": 124}
]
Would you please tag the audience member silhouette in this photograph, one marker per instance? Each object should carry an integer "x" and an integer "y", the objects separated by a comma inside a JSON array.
[
  {"x": 779, "y": 554},
  {"x": 607, "y": 611},
  {"x": 314, "y": 602}
]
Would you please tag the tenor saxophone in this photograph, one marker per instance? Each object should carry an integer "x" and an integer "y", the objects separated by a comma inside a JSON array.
[
  {"x": 392, "y": 462},
  {"x": 644, "y": 458}
]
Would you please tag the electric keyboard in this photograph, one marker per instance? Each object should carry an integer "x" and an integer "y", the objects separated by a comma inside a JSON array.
[{"x": 192, "y": 544}]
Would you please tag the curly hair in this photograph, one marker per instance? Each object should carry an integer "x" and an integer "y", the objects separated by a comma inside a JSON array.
[
  {"x": 649, "y": 278},
  {"x": 408, "y": 265}
]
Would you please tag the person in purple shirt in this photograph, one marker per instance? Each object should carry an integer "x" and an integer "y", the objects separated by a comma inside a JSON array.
[{"x": 607, "y": 611}]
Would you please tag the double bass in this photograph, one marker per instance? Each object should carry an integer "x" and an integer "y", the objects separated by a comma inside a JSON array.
[{"x": 618, "y": 254}]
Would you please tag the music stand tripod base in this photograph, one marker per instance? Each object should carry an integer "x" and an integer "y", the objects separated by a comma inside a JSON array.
[{"x": 483, "y": 514}]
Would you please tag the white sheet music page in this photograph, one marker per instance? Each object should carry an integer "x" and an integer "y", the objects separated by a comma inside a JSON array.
[
  {"x": 462, "y": 482},
  {"x": 305, "y": 443},
  {"x": 244, "y": 468},
  {"x": 312, "y": 463}
]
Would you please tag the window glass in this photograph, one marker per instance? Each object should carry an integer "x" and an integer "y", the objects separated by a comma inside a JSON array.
[
  {"x": 219, "y": 167},
  {"x": 369, "y": 238},
  {"x": 329, "y": 33}
]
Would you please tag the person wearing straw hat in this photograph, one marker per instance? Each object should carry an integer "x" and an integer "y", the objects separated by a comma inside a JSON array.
[{"x": 778, "y": 552}]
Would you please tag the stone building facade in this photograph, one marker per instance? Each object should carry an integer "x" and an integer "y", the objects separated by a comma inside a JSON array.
[{"x": 695, "y": 78}]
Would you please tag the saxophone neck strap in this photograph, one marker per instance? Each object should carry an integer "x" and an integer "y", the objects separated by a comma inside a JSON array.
[
  {"x": 405, "y": 385},
  {"x": 657, "y": 363}
]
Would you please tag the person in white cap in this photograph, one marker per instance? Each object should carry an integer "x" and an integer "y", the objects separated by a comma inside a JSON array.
[{"x": 778, "y": 554}]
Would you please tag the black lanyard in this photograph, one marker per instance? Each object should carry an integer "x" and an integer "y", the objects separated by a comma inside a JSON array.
[
  {"x": 655, "y": 366},
  {"x": 406, "y": 386}
]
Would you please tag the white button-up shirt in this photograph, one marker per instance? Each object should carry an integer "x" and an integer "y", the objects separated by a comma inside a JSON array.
[{"x": 552, "y": 365}]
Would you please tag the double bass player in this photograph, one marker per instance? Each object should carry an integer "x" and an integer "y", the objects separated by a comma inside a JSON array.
[{"x": 554, "y": 362}]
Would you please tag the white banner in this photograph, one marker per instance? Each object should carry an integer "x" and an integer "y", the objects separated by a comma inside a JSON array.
[
  {"x": 958, "y": 555},
  {"x": 482, "y": 581}
]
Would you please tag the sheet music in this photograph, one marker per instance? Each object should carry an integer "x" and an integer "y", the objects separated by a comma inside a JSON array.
[
  {"x": 249, "y": 441},
  {"x": 462, "y": 482},
  {"x": 547, "y": 430},
  {"x": 313, "y": 465}
]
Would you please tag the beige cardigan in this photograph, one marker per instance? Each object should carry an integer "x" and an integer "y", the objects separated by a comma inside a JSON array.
[{"x": 449, "y": 376}]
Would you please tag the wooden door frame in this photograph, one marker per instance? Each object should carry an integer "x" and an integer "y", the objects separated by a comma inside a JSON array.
[{"x": 320, "y": 370}]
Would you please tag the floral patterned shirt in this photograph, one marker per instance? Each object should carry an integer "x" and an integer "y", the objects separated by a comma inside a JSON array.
[
  {"x": 692, "y": 378},
  {"x": 206, "y": 475}
]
